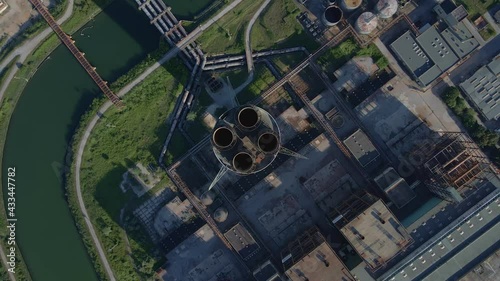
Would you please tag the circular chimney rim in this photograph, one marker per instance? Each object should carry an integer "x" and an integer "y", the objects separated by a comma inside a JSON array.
[
  {"x": 248, "y": 117},
  {"x": 223, "y": 137}
]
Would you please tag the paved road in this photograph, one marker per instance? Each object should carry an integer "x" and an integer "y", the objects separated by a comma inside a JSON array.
[
  {"x": 81, "y": 147},
  {"x": 479, "y": 58},
  {"x": 248, "y": 32},
  {"x": 25, "y": 49},
  {"x": 81, "y": 204},
  {"x": 199, "y": 30},
  {"x": 492, "y": 22}
]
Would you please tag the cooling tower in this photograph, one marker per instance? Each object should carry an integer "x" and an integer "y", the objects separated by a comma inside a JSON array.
[
  {"x": 246, "y": 139},
  {"x": 332, "y": 15}
]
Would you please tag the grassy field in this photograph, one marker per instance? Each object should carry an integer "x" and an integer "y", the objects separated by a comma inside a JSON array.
[
  {"x": 487, "y": 32},
  {"x": 177, "y": 147},
  {"x": 228, "y": 34},
  {"x": 287, "y": 62},
  {"x": 477, "y": 7},
  {"x": 196, "y": 128},
  {"x": 121, "y": 139},
  {"x": 277, "y": 27},
  {"x": 337, "y": 56},
  {"x": 263, "y": 79}
]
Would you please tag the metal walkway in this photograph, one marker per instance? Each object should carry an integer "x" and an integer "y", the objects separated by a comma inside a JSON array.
[{"x": 68, "y": 41}]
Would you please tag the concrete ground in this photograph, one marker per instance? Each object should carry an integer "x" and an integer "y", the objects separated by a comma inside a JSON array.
[
  {"x": 405, "y": 113},
  {"x": 201, "y": 257},
  {"x": 15, "y": 18},
  {"x": 486, "y": 271},
  {"x": 282, "y": 193}
]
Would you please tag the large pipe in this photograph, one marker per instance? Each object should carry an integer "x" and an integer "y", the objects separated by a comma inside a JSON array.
[
  {"x": 223, "y": 137},
  {"x": 248, "y": 117},
  {"x": 268, "y": 143},
  {"x": 243, "y": 162}
]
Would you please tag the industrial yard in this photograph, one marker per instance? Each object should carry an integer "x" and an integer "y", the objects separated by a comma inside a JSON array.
[{"x": 305, "y": 139}]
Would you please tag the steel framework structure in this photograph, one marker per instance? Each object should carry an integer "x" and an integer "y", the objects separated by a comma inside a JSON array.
[{"x": 454, "y": 164}]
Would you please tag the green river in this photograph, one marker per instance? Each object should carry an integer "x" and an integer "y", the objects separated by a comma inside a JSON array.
[{"x": 40, "y": 130}]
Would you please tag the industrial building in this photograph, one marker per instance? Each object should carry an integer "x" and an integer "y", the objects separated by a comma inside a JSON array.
[
  {"x": 455, "y": 250},
  {"x": 483, "y": 90},
  {"x": 266, "y": 272},
  {"x": 395, "y": 187},
  {"x": 361, "y": 147},
  {"x": 309, "y": 257},
  {"x": 371, "y": 228},
  {"x": 430, "y": 54},
  {"x": 242, "y": 241},
  {"x": 454, "y": 166}
]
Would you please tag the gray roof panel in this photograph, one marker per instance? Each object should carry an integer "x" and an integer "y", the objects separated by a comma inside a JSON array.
[{"x": 437, "y": 48}]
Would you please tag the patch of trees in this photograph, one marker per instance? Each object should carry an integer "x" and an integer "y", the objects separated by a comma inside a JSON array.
[{"x": 482, "y": 136}]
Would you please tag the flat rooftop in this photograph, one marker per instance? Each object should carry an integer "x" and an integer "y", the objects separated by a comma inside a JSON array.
[
  {"x": 437, "y": 48},
  {"x": 432, "y": 53},
  {"x": 460, "y": 39},
  {"x": 201, "y": 257},
  {"x": 318, "y": 265},
  {"x": 395, "y": 187},
  {"x": 456, "y": 250},
  {"x": 242, "y": 241},
  {"x": 483, "y": 88},
  {"x": 361, "y": 147},
  {"x": 411, "y": 54},
  {"x": 376, "y": 234},
  {"x": 173, "y": 215},
  {"x": 266, "y": 272}
]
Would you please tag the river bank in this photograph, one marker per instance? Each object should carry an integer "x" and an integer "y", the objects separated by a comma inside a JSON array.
[{"x": 52, "y": 104}]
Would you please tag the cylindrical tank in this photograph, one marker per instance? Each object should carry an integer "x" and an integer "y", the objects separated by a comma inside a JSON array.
[
  {"x": 207, "y": 198},
  {"x": 246, "y": 139},
  {"x": 386, "y": 8},
  {"x": 350, "y": 4},
  {"x": 366, "y": 23},
  {"x": 332, "y": 15},
  {"x": 220, "y": 215}
]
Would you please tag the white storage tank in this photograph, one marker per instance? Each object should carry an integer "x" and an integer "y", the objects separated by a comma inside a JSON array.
[
  {"x": 220, "y": 215},
  {"x": 386, "y": 8},
  {"x": 366, "y": 23},
  {"x": 350, "y": 4}
]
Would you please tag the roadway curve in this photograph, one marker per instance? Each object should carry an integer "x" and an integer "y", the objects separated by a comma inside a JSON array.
[
  {"x": 27, "y": 48},
  {"x": 248, "y": 32},
  {"x": 248, "y": 47},
  {"x": 23, "y": 52},
  {"x": 83, "y": 142}
]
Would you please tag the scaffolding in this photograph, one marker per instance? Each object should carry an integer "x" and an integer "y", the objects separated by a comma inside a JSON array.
[
  {"x": 351, "y": 207},
  {"x": 371, "y": 229},
  {"x": 454, "y": 165},
  {"x": 301, "y": 246}
]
